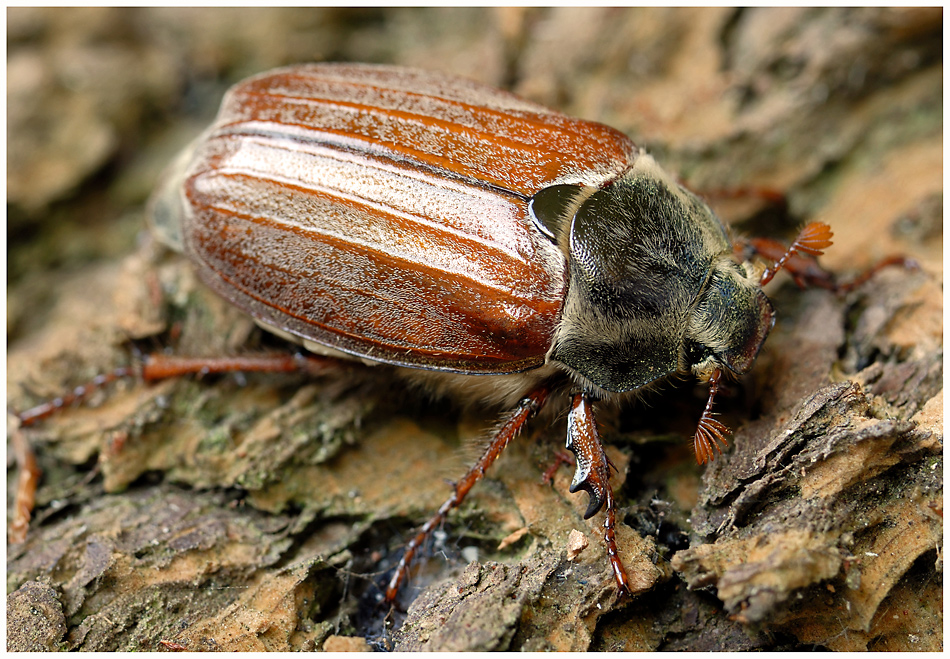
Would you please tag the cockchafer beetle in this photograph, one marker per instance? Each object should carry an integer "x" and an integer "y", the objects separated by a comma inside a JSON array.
[{"x": 488, "y": 245}]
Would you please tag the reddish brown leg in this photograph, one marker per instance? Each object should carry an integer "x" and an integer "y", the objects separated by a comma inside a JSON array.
[
  {"x": 160, "y": 367},
  {"x": 891, "y": 261},
  {"x": 710, "y": 432},
  {"x": 527, "y": 408},
  {"x": 173, "y": 646},
  {"x": 43, "y": 410},
  {"x": 593, "y": 476},
  {"x": 560, "y": 458},
  {"x": 768, "y": 194},
  {"x": 28, "y": 476},
  {"x": 155, "y": 367}
]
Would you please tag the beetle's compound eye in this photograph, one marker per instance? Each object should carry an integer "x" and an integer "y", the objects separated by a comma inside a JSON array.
[{"x": 552, "y": 208}]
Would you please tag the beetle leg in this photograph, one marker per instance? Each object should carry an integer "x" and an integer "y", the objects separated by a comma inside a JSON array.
[
  {"x": 898, "y": 261},
  {"x": 593, "y": 476},
  {"x": 50, "y": 407},
  {"x": 28, "y": 476},
  {"x": 160, "y": 367},
  {"x": 154, "y": 367},
  {"x": 710, "y": 431},
  {"x": 593, "y": 471},
  {"x": 528, "y": 407},
  {"x": 560, "y": 458}
]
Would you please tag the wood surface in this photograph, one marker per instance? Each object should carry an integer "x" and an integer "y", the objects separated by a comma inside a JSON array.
[{"x": 261, "y": 512}]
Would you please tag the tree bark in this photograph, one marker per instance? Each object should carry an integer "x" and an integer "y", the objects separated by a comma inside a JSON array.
[{"x": 261, "y": 512}]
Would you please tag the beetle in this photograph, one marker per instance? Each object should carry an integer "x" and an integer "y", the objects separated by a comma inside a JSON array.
[{"x": 481, "y": 243}]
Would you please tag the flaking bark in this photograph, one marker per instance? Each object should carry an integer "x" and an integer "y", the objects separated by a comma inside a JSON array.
[{"x": 260, "y": 513}]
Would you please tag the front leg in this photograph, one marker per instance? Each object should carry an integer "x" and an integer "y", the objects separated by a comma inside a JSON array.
[{"x": 593, "y": 476}]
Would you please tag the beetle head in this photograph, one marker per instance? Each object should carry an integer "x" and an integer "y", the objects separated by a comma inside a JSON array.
[
  {"x": 729, "y": 323},
  {"x": 653, "y": 289}
]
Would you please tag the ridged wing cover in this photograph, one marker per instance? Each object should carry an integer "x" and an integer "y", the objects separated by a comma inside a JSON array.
[{"x": 382, "y": 211}]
